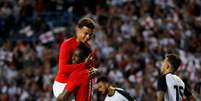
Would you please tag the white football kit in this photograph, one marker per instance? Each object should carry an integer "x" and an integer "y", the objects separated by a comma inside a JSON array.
[
  {"x": 119, "y": 95},
  {"x": 174, "y": 88}
]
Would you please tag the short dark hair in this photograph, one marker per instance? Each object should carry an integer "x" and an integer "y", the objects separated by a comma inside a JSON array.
[
  {"x": 84, "y": 51},
  {"x": 88, "y": 22},
  {"x": 174, "y": 60},
  {"x": 103, "y": 79}
]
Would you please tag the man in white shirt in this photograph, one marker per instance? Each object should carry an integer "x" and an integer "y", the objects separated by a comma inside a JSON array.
[
  {"x": 112, "y": 93},
  {"x": 170, "y": 86}
]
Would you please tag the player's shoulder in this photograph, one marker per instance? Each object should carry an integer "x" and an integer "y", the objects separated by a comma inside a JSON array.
[
  {"x": 119, "y": 89},
  {"x": 69, "y": 41},
  {"x": 161, "y": 84},
  {"x": 170, "y": 75},
  {"x": 173, "y": 77},
  {"x": 162, "y": 77},
  {"x": 125, "y": 94}
]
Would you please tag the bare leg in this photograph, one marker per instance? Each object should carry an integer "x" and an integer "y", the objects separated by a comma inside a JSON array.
[{"x": 64, "y": 95}]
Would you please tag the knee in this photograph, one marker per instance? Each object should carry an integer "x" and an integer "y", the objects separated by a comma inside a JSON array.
[{"x": 61, "y": 97}]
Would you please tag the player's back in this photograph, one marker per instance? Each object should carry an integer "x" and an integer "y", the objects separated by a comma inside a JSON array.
[{"x": 175, "y": 88}]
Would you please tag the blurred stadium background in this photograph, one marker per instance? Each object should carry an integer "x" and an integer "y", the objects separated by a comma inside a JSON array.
[{"x": 133, "y": 37}]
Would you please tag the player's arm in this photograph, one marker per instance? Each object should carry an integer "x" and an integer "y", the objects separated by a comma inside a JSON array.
[
  {"x": 64, "y": 57},
  {"x": 63, "y": 96},
  {"x": 161, "y": 88},
  {"x": 191, "y": 98},
  {"x": 160, "y": 95},
  {"x": 187, "y": 93}
]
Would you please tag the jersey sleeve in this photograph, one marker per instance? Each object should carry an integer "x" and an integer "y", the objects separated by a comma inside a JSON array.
[
  {"x": 125, "y": 94},
  {"x": 162, "y": 85},
  {"x": 65, "y": 57},
  {"x": 187, "y": 91}
]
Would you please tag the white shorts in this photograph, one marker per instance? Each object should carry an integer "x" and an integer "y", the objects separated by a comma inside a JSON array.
[{"x": 58, "y": 88}]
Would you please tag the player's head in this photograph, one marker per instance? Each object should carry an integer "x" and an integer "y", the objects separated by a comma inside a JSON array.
[
  {"x": 170, "y": 64},
  {"x": 103, "y": 85},
  {"x": 85, "y": 29},
  {"x": 80, "y": 53}
]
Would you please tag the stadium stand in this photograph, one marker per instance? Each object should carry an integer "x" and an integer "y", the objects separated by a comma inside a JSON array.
[{"x": 132, "y": 38}]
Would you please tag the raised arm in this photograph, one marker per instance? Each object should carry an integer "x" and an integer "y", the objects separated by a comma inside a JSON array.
[{"x": 65, "y": 57}]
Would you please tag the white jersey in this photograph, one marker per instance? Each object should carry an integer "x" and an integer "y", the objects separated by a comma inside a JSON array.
[
  {"x": 174, "y": 87},
  {"x": 119, "y": 95}
]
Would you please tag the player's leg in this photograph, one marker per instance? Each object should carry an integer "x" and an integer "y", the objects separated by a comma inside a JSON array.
[
  {"x": 80, "y": 84},
  {"x": 64, "y": 95},
  {"x": 75, "y": 84},
  {"x": 83, "y": 90},
  {"x": 83, "y": 93}
]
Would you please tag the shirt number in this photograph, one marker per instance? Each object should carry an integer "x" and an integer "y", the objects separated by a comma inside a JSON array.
[{"x": 179, "y": 90}]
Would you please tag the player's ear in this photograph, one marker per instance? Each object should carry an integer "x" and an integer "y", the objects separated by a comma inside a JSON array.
[
  {"x": 168, "y": 65},
  {"x": 77, "y": 28},
  {"x": 107, "y": 85}
]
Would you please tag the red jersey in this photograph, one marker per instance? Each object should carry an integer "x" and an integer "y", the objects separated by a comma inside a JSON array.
[
  {"x": 79, "y": 79},
  {"x": 65, "y": 67}
]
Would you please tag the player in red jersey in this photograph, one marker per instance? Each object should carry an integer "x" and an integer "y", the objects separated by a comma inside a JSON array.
[
  {"x": 79, "y": 79},
  {"x": 61, "y": 88}
]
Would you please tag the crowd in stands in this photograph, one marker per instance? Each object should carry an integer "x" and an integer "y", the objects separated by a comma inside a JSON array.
[{"x": 132, "y": 39}]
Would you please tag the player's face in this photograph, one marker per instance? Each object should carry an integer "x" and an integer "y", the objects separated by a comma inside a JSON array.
[
  {"x": 164, "y": 67},
  {"x": 85, "y": 34},
  {"x": 102, "y": 87},
  {"x": 75, "y": 57}
]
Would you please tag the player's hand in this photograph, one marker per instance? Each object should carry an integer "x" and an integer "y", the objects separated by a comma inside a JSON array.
[
  {"x": 93, "y": 72},
  {"x": 91, "y": 60}
]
